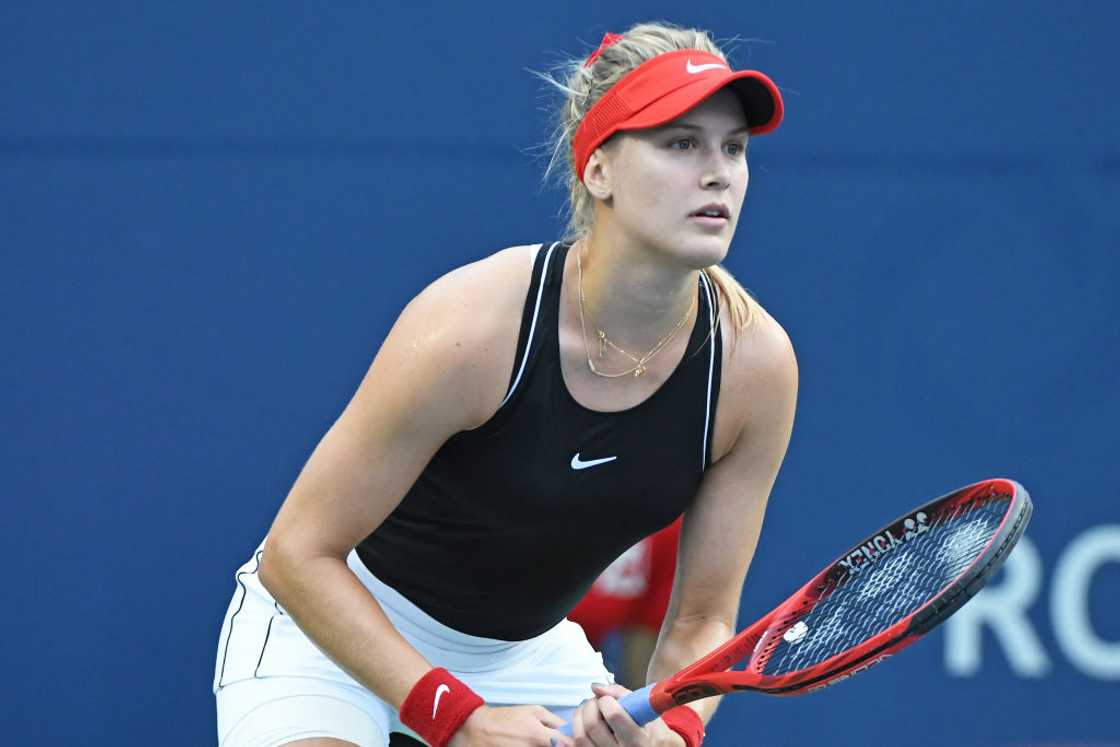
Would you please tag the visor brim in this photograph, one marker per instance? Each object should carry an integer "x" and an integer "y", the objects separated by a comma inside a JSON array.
[{"x": 761, "y": 101}]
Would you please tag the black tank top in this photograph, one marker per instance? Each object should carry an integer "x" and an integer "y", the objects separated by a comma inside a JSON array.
[{"x": 511, "y": 522}]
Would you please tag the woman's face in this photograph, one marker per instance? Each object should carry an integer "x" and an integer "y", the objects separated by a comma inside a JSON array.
[{"x": 662, "y": 178}]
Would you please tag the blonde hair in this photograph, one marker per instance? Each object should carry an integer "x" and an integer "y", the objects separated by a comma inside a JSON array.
[{"x": 582, "y": 86}]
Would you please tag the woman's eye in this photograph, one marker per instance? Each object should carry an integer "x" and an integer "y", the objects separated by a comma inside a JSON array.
[
  {"x": 684, "y": 144},
  {"x": 736, "y": 149}
]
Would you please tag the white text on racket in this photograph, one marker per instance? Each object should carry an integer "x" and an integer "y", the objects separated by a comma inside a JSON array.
[
  {"x": 883, "y": 543},
  {"x": 846, "y": 675}
]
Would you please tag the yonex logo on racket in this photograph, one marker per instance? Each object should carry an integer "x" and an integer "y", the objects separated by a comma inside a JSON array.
[{"x": 884, "y": 542}]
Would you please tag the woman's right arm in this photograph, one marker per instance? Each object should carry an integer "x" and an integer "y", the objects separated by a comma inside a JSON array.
[{"x": 442, "y": 369}]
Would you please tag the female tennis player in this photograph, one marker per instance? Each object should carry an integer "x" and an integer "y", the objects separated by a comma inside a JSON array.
[{"x": 529, "y": 417}]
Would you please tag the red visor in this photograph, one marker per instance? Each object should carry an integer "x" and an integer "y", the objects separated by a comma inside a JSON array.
[{"x": 666, "y": 87}]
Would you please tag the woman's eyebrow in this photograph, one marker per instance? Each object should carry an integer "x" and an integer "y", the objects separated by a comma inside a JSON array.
[{"x": 698, "y": 128}]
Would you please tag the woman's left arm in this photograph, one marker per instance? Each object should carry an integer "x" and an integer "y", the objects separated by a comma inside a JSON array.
[
  {"x": 720, "y": 532},
  {"x": 721, "y": 529}
]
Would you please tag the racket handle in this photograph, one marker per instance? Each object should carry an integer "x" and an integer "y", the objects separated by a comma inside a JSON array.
[
  {"x": 635, "y": 703},
  {"x": 638, "y": 706}
]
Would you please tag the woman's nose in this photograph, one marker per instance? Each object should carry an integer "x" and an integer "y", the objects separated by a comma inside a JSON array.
[
  {"x": 716, "y": 176},
  {"x": 717, "y": 173}
]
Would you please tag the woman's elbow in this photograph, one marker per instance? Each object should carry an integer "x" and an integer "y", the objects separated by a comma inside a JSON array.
[{"x": 275, "y": 560}]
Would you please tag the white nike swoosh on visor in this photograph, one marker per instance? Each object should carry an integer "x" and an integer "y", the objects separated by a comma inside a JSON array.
[
  {"x": 701, "y": 68},
  {"x": 439, "y": 694},
  {"x": 578, "y": 463}
]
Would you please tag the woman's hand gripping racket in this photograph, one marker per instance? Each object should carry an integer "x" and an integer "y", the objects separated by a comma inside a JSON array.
[{"x": 876, "y": 599}]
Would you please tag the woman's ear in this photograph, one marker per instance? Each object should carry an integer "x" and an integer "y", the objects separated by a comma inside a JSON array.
[{"x": 597, "y": 175}]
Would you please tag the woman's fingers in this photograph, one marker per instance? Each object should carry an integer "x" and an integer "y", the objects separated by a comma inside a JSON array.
[
  {"x": 594, "y": 726},
  {"x": 624, "y": 729},
  {"x": 601, "y": 722},
  {"x": 615, "y": 691},
  {"x": 548, "y": 718}
]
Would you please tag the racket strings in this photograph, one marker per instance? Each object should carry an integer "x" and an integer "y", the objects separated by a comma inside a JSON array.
[{"x": 856, "y": 606}]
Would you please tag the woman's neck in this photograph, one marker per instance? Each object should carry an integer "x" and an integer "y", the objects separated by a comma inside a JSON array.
[{"x": 632, "y": 294}]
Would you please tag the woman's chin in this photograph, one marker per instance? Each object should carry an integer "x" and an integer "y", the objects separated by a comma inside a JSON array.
[
  {"x": 689, "y": 249},
  {"x": 698, "y": 252}
]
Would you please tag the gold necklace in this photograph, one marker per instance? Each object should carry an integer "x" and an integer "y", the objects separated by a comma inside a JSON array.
[{"x": 639, "y": 367}]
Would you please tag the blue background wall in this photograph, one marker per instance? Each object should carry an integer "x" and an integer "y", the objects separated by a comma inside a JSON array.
[{"x": 210, "y": 215}]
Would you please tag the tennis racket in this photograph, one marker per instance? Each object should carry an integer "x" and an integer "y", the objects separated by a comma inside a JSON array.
[{"x": 876, "y": 599}]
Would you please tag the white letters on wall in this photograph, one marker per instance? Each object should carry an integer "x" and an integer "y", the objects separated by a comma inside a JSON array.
[
  {"x": 1069, "y": 602},
  {"x": 1002, "y": 607}
]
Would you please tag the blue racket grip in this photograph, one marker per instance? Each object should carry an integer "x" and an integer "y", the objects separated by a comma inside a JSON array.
[{"x": 635, "y": 703}]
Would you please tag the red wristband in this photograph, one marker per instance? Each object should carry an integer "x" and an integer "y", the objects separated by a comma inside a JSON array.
[
  {"x": 437, "y": 706},
  {"x": 686, "y": 722}
]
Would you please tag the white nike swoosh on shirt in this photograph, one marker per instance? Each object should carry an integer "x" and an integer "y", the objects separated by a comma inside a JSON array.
[
  {"x": 701, "y": 68},
  {"x": 578, "y": 463},
  {"x": 439, "y": 694}
]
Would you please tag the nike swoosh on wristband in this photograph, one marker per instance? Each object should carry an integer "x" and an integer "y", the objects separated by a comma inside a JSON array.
[
  {"x": 439, "y": 694},
  {"x": 578, "y": 463},
  {"x": 701, "y": 68}
]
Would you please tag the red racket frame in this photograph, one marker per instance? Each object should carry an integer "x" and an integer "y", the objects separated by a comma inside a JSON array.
[{"x": 710, "y": 676}]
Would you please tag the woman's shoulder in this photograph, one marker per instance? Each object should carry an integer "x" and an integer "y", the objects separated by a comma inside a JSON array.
[
  {"x": 505, "y": 272},
  {"x": 759, "y": 375},
  {"x": 480, "y": 293},
  {"x": 762, "y": 345},
  {"x": 760, "y": 356},
  {"x": 467, "y": 322}
]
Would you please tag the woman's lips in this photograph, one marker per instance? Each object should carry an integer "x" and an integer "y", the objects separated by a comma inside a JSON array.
[{"x": 709, "y": 221}]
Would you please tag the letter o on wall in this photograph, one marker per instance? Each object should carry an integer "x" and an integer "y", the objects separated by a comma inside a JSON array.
[{"x": 1069, "y": 602}]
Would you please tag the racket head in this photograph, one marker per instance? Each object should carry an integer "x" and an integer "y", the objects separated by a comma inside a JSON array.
[{"x": 880, "y": 596}]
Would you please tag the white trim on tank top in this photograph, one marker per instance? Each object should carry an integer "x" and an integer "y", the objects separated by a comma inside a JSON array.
[
  {"x": 711, "y": 371},
  {"x": 532, "y": 327}
]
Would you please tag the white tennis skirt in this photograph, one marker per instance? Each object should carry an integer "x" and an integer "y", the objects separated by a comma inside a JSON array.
[{"x": 273, "y": 685}]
